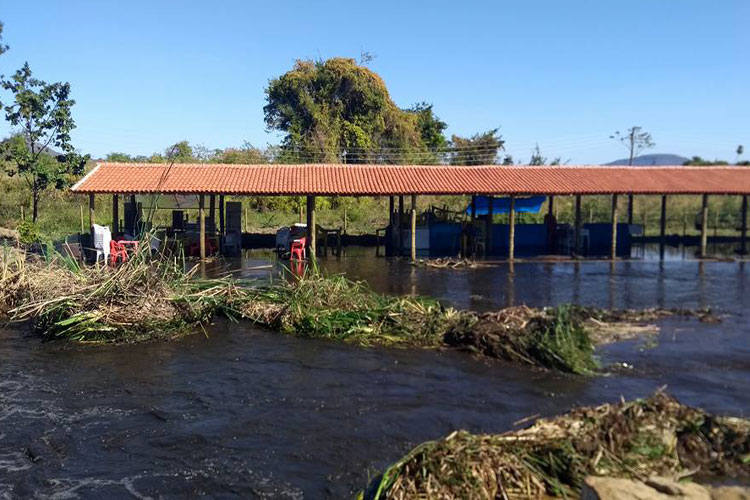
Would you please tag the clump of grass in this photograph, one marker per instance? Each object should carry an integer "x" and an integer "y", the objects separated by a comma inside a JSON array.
[
  {"x": 155, "y": 297},
  {"x": 552, "y": 337},
  {"x": 137, "y": 300},
  {"x": 638, "y": 439},
  {"x": 336, "y": 308}
]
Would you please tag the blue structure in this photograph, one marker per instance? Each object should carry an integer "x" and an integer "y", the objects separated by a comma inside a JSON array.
[{"x": 531, "y": 205}]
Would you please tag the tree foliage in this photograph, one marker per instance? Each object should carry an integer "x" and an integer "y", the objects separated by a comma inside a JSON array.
[
  {"x": 479, "y": 149},
  {"x": 431, "y": 128},
  {"x": 537, "y": 158},
  {"x": 3, "y": 47},
  {"x": 42, "y": 113},
  {"x": 339, "y": 111},
  {"x": 698, "y": 161}
]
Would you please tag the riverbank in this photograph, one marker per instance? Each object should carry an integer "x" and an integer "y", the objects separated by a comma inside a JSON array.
[
  {"x": 637, "y": 439},
  {"x": 154, "y": 298}
]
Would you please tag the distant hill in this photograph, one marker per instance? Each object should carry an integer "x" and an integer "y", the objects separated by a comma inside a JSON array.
[{"x": 656, "y": 159}]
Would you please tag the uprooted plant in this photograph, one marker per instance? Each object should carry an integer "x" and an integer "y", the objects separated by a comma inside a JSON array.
[{"x": 638, "y": 439}]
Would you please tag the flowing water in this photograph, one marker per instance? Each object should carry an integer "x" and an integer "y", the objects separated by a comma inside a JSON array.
[{"x": 244, "y": 412}]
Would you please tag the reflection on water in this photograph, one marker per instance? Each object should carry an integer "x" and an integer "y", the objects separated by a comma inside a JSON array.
[
  {"x": 248, "y": 413},
  {"x": 623, "y": 284}
]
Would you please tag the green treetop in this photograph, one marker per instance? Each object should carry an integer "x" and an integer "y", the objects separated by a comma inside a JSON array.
[{"x": 42, "y": 113}]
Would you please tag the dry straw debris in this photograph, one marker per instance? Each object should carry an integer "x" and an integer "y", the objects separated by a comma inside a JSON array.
[
  {"x": 552, "y": 457},
  {"x": 150, "y": 297}
]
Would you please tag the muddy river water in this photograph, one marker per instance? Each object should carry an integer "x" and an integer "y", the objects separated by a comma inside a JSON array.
[{"x": 242, "y": 412}]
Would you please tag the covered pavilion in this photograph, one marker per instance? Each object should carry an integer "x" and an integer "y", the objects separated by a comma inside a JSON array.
[{"x": 311, "y": 180}]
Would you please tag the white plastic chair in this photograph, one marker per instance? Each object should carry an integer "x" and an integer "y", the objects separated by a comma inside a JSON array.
[{"x": 102, "y": 239}]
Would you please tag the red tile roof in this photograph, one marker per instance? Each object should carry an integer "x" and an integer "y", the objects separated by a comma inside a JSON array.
[{"x": 128, "y": 178}]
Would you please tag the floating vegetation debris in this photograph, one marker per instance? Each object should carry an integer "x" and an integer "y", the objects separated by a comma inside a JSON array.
[
  {"x": 143, "y": 298},
  {"x": 448, "y": 263},
  {"x": 552, "y": 457},
  {"x": 156, "y": 298}
]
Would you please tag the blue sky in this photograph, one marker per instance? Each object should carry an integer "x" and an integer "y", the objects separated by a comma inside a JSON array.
[{"x": 564, "y": 74}]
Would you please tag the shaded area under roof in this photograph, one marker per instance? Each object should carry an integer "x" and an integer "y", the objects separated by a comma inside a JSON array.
[{"x": 376, "y": 180}]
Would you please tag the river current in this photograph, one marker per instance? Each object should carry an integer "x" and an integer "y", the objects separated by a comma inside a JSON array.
[{"x": 243, "y": 412}]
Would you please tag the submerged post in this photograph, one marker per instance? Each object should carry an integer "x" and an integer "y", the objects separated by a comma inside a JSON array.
[
  {"x": 663, "y": 226},
  {"x": 512, "y": 228},
  {"x": 311, "y": 236},
  {"x": 743, "y": 228},
  {"x": 613, "y": 251},
  {"x": 202, "y": 225},
  {"x": 413, "y": 228},
  {"x": 577, "y": 231},
  {"x": 704, "y": 226},
  {"x": 115, "y": 214}
]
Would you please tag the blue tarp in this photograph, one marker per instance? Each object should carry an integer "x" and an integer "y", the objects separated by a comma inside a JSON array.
[{"x": 532, "y": 204}]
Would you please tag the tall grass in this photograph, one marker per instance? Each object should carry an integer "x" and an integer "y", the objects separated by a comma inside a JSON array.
[{"x": 148, "y": 297}]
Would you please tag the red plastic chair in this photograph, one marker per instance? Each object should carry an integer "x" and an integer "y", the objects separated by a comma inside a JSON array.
[
  {"x": 298, "y": 249},
  {"x": 117, "y": 251}
]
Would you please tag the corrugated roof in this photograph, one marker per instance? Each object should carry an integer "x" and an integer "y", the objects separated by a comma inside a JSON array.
[{"x": 360, "y": 180}]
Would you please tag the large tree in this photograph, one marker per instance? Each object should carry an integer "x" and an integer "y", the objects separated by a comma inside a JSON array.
[
  {"x": 339, "y": 111},
  {"x": 479, "y": 149},
  {"x": 42, "y": 113}
]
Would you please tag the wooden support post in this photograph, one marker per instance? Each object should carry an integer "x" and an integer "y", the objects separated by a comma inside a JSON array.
[
  {"x": 244, "y": 219},
  {"x": 413, "y": 228},
  {"x": 92, "y": 214},
  {"x": 488, "y": 230},
  {"x": 338, "y": 244},
  {"x": 391, "y": 208},
  {"x": 630, "y": 209},
  {"x": 115, "y": 214},
  {"x": 512, "y": 228},
  {"x": 663, "y": 226},
  {"x": 212, "y": 211},
  {"x": 613, "y": 251},
  {"x": 743, "y": 227},
  {"x": 470, "y": 242},
  {"x": 704, "y": 226},
  {"x": 202, "y": 225},
  {"x": 400, "y": 221},
  {"x": 135, "y": 215},
  {"x": 311, "y": 229},
  {"x": 577, "y": 229},
  {"x": 551, "y": 205},
  {"x": 221, "y": 214},
  {"x": 83, "y": 226}
]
